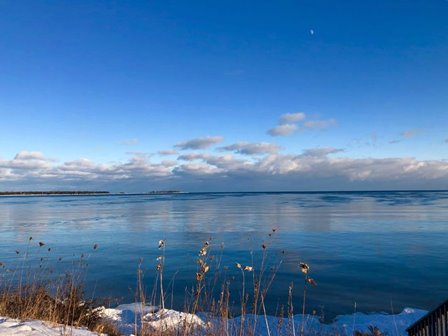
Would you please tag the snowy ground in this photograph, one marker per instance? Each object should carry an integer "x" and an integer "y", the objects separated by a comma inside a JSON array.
[
  {"x": 344, "y": 325},
  {"x": 12, "y": 327},
  {"x": 125, "y": 317}
]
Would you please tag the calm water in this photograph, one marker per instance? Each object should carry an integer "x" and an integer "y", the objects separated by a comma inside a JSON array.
[{"x": 382, "y": 250}]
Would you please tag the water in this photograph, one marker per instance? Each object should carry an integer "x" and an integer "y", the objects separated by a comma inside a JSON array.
[{"x": 383, "y": 250}]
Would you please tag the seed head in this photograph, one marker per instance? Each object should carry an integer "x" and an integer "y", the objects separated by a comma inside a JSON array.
[
  {"x": 304, "y": 268},
  {"x": 161, "y": 243},
  {"x": 248, "y": 268},
  {"x": 199, "y": 276},
  {"x": 41, "y": 244},
  {"x": 238, "y": 265},
  {"x": 311, "y": 281}
]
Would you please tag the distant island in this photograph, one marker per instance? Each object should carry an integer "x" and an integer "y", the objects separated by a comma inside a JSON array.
[{"x": 45, "y": 193}]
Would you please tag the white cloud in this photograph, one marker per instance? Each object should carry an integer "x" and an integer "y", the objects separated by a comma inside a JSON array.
[
  {"x": 290, "y": 123},
  {"x": 168, "y": 152},
  {"x": 30, "y": 155},
  {"x": 283, "y": 130},
  {"x": 321, "y": 151},
  {"x": 192, "y": 156},
  {"x": 319, "y": 124},
  {"x": 311, "y": 167},
  {"x": 27, "y": 161},
  {"x": 198, "y": 169},
  {"x": 289, "y": 118},
  {"x": 200, "y": 143},
  {"x": 247, "y": 148}
]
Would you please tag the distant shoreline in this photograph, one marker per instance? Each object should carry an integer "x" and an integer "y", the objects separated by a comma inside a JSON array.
[
  {"x": 81, "y": 193},
  {"x": 175, "y": 192},
  {"x": 45, "y": 193}
]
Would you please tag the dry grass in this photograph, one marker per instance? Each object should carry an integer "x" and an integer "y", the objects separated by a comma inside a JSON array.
[
  {"x": 39, "y": 294},
  {"x": 33, "y": 291},
  {"x": 248, "y": 303},
  {"x": 67, "y": 307}
]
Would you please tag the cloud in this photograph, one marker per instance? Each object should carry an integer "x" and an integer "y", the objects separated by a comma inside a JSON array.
[
  {"x": 411, "y": 133},
  {"x": 319, "y": 124},
  {"x": 283, "y": 130},
  {"x": 291, "y": 122},
  {"x": 247, "y": 148},
  {"x": 200, "y": 143},
  {"x": 289, "y": 118},
  {"x": 198, "y": 169},
  {"x": 129, "y": 142},
  {"x": 311, "y": 169},
  {"x": 26, "y": 161},
  {"x": 168, "y": 152},
  {"x": 446, "y": 140},
  {"x": 394, "y": 141},
  {"x": 30, "y": 155},
  {"x": 192, "y": 156},
  {"x": 321, "y": 151}
]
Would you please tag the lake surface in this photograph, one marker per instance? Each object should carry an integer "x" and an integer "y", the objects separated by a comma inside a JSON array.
[{"x": 382, "y": 250}]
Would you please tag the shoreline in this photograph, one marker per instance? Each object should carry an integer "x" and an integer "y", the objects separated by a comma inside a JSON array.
[{"x": 127, "y": 317}]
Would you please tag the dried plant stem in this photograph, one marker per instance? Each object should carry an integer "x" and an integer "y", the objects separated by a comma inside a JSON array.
[
  {"x": 243, "y": 297},
  {"x": 302, "y": 329},
  {"x": 354, "y": 317},
  {"x": 265, "y": 315},
  {"x": 162, "y": 296},
  {"x": 291, "y": 308}
]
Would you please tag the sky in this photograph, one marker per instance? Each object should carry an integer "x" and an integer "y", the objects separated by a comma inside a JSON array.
[{"x": 297, "y": 95}]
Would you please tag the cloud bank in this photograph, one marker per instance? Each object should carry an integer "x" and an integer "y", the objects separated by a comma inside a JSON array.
[{"x": 261, "y": 167}]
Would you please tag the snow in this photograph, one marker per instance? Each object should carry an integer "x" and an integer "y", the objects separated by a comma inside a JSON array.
[
  {"x": 127, "y": 316},
  {"x": 202, "y": 324},
  {"x": 12, "y": 327}
]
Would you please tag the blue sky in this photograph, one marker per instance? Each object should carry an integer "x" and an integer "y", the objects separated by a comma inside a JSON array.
[{"x": 91, "y": 91}]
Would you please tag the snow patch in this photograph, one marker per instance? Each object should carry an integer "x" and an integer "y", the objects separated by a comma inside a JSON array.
[
  {"x": 130, "y": 317},
  {"x": 170, "y": 320},
  {"x": 13, "y": 327}
]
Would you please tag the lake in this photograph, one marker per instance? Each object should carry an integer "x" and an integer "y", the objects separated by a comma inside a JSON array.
[{"x": 383, "y": 250}]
